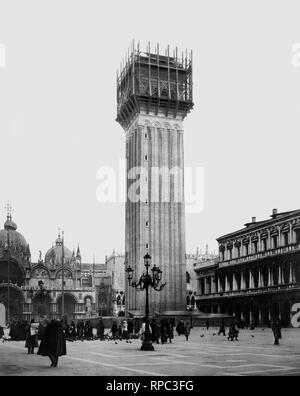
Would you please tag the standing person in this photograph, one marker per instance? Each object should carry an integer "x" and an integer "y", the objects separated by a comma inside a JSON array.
[
  {"x": 6, "y": 333},
  {"x": 207, "y": 324},
  {"x": 114, "y": 331},
  {"x": 53, "y": 343},
  {"x": 72, "y": 331},
  {"x": 130, "y": 328},
  {"x": 170, "y": 331},
  {"x": 276, "y": 328},
  {"x": 31, "y": 337},
  {"x": 154, "y": 329},
  {"x": 125, "y": 331},
  {"x": 187, "y": 330},
  {"x": 88, "y": 335},
  {"x": 100, "y": 329},
  {"x": 180, "y": 327},
  {"x": 163, "y": 333},
  {"x": 222, "y": 329},
  {"x": 80, "y": 330}
]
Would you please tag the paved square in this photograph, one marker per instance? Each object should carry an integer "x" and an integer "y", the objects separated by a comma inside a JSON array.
[{"x": 205, "y": 354}]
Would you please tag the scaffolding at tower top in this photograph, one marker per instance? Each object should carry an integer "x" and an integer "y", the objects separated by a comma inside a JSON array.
[{"x": 152, "y": 83}]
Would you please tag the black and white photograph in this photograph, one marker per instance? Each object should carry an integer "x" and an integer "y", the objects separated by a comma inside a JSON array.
[{"x": 149, "y": 191}]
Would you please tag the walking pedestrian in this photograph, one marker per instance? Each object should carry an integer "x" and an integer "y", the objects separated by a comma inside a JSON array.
[
  {"x": 125, "y": 333},
  {"x": 115, "y": 331},
  {"x": 222, "y": 329},
  {"x": 130, "y": 328},
  {"x": 53, "y": 343},
  {"x": 207, "y": 324},
  {"x": 31, "y": 337},
  {"x": 276, "y": 328},
  {"x": 187, "y": 330}
]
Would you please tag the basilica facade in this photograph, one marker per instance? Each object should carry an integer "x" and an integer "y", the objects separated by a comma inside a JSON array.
[{"x": 32, "y": 290}]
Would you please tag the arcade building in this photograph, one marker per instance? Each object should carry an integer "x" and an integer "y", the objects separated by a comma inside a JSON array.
[{"x": 257, "y": 275}]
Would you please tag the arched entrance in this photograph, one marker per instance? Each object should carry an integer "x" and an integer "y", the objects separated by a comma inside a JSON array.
[
  {"x": 15, "y": 299},
  {"x": 69, "y": 306}
]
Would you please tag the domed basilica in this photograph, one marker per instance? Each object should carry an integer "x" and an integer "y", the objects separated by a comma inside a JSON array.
[{"x": 32, "y": 290}]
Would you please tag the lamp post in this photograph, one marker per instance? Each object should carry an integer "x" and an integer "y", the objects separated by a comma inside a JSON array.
[
  {"x": 146, "y": 281},
  {"x": 62, "y": 278},
  {"x": 8, "y": 277}
]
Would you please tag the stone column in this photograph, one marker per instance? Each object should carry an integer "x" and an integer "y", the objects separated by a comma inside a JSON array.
[
  {"x": 226, "y": 283},
  {"x": 234, "y": 283},
  {"x": 270, "y": 277},
  {"x": 251, "y": 280},
  {"x": 243, "y": 283},
  {"x": 199, "y": 287},
  {"x": 292, "y": 273},
  {"x": 204, "y": 286},
  {"x": 279, "y": 275},
  {"x": 209, "y": 280},
  {"x": 269, "y": 313},
  {"x": 251, "y": 315},
  {"x": 259, "y": 315},
  {"x": 220, "y": 288},
  {"x": 260, "y": 279},
  {"x": 279, "y": 307},
  {"x": 213, "y": 285},
  {"x": 242, "y": 312}
]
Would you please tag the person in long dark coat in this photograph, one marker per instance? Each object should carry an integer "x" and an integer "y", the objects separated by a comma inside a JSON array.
[
  {"x": 80, "y": 330},
  {"x": 53, "y": 343},
  {"x": 130, "y": 328},
  {"x": 115, "y": 331},
  {"x": 222, "y": 329},
  {"x": 163, "y": 332},
  {"x": 180, "y": 328},
  {"x": 31, "y": 338},
  {"x": 100, "y": 329},
  {"x": 276, "y": 328},
  {"x": 72, "y": 332},
  {"x": 170, "y": 331},
  {"x": 187, "y": 330}
]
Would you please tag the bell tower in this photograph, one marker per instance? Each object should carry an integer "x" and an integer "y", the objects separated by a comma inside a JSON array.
[{"x": 154, "y": 95}]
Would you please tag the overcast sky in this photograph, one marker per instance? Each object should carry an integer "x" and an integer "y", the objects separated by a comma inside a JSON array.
[{"x": 58, "y": 110}]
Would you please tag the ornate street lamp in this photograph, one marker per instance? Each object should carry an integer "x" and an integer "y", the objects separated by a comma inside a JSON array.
[{"x": 146, "y": 281}]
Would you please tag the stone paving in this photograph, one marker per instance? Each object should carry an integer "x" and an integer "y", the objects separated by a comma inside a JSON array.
[{"x": 205, "y": 354}]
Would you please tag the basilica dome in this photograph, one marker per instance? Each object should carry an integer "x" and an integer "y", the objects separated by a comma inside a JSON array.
[
  {"x": 10, "y": 233},
  {"x": 54, "y": 255}
]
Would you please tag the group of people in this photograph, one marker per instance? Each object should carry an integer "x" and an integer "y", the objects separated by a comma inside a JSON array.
[
  {"x": 233, "y": 331},
  {"x": 53, "y": 340},
  {"x": 161, "y": 331},
  {"x": 183, "y": 328}
]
